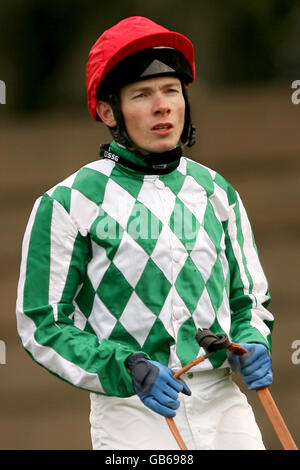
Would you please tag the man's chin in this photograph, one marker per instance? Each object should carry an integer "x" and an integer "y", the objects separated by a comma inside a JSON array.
[{"x": 158, "y": 148}]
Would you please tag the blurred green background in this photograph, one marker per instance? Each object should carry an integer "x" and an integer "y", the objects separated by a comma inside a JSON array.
[{"x": 247, "y": 56}]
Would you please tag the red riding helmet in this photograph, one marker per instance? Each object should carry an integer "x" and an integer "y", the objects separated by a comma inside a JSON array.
[{"x": 127, "y": 37}]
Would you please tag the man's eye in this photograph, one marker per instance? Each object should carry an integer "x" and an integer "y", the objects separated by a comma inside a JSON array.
[{"x": 139, "y": 95}]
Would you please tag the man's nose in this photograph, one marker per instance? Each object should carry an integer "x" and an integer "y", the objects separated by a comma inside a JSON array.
[{"x": 161, "y": 105}]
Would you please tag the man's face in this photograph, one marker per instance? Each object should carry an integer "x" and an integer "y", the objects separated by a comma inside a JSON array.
[{"x": 153, "y": 111}]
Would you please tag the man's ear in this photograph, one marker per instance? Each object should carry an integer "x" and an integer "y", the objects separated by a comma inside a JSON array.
[{"x": 105, "y": 112}]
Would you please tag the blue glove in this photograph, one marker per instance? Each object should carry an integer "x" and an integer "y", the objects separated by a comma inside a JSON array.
[
  {"x": 155, "y": 385},
  {"x": 254, "y": 366}
]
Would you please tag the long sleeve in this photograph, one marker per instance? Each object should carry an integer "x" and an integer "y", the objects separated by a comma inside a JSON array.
[
  {"x": 249, "y": 295},
  {"x": 54, "y": 259}
]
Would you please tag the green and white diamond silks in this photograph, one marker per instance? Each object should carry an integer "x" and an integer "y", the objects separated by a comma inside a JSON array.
[{"x": 116, "y": 262}]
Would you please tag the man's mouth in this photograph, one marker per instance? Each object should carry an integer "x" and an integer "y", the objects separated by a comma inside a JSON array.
[{"x": 162, "y": 127}]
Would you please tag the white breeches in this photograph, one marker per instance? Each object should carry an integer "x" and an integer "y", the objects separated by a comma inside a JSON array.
[{"x": 216, "y": 416}]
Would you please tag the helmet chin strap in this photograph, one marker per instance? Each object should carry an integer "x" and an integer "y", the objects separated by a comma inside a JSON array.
[
  {"x": 150, "y": 164},
  {"x": 163, "y": 158}
]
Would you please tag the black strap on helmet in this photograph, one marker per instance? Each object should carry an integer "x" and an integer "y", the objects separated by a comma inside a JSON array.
[
  {"x": 119, "y": 132},
  {"x": 188, "y": 136}
]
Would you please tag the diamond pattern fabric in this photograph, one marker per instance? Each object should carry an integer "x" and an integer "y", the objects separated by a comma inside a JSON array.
[{"x": 160, "y": 261}]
